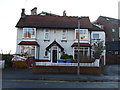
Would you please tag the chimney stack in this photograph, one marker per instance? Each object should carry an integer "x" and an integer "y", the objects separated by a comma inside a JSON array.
[
  {"x": 64, "y": 13},
  {"x": 34, "y": 11},
  {"x": 23, "y": 13}
]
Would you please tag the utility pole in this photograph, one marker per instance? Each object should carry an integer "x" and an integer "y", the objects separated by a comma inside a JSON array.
[{"x": 78, "y": 68}]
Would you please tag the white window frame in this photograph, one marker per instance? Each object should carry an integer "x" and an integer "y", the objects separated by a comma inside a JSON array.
[
  {"x": 30, "y": 49},
  {"x": 46, "y": 31},
  {"x": 83, "y": 49},
  {"x": 27, "y": 30},
  {"x": 84, "y": 34},
  {"x": 64, "y": 34}
]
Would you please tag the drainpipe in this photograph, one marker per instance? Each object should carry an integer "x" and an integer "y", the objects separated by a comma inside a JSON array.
[{"x": 90, "y": 44}]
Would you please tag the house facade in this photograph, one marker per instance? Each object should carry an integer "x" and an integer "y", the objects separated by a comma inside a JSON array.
[{"x": 47, "y": 37}]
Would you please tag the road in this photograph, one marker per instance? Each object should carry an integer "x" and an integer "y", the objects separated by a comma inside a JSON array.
[
  {"x": 23, "y": 78},
  {"x": 56, "y": 84}
]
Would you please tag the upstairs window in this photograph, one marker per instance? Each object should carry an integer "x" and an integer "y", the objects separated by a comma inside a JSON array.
[
  {"x": 29, "y": 32},
  {"x": 96, "y": 36},
  {"x": 83, "y": 34},
  {"x": 46, "y": 35},
  {"x": 64, "y": 34}
]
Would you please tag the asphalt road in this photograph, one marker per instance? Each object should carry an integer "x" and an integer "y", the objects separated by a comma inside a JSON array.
[
  {"x": 23, "y": 78},
  {"x": 56, "y": 84}
]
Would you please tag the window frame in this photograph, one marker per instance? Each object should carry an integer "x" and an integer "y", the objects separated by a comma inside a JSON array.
[
  {"x": 46, "y": 33},
  {"x": 86, "y": 35},
  {"x": 64, "y": 34},
  {"x": 27, "y": 31},
  {"x": 30, "y": 48},
  {"x": 83, "y": 50}
]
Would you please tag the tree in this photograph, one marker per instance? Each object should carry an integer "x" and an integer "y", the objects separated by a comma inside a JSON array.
[{"x": 98, "y": 49}]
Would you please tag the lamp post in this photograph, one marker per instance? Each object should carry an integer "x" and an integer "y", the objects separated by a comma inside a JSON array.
[{"x": 78, "y": 68}]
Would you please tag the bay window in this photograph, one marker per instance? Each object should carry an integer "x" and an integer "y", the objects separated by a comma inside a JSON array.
[
  {"x": 83, "y": 52},
  {"x": 28, "y": 50}
]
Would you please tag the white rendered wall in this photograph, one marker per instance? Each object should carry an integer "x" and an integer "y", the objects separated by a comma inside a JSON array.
[{"x": 55, "y": 34}]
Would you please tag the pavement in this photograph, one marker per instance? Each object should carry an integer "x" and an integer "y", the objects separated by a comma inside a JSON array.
[{"x": 110, "y": 74}]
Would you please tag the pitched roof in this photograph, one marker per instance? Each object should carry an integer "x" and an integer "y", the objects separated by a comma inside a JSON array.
[
  {"x": 96, "y": 28},
  {"x": 109, "y": 19},
  {"x": 58, "y": 22},
  {"x": 81, "y": 44},
  {"x": 55, "y": 43}
]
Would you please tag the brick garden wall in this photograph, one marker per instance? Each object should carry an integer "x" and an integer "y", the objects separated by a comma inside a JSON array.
[
  {"x": 69, "y": 69},
  {"x": 66, "y": 70}
]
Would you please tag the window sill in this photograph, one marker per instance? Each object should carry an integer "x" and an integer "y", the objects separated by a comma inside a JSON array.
[
  {"x": 46, "y": 40},
  {"x": 95, "y": 39},
  {"x": 46, "y": 57},
  {"x": 63, "y": 40},
  {"x": 80, "y": 40},
  {"x": 29, "y": 38}
]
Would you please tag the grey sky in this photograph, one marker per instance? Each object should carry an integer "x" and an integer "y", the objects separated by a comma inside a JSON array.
[{"x": 11, "y": 10}]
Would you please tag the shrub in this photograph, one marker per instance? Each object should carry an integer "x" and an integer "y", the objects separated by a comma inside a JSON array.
[
  {"x": 66, "y": 56},
  {"x": 7, "y": 58}
]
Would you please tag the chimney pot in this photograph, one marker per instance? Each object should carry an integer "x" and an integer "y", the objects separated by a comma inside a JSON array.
[{"x": 64, "y": 13}]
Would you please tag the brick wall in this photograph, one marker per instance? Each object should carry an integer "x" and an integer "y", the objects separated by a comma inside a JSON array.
[
  {"x": 66, "y": 70},
  {"x": 69, "y": 69}
]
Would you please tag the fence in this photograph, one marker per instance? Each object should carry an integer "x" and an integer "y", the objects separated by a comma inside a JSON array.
[
  {"x": 94, "y": 64},
  {"x": 112, "y": 59}
]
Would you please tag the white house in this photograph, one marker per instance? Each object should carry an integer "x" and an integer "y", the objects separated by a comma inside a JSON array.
[{"x": 47, "y": 37}]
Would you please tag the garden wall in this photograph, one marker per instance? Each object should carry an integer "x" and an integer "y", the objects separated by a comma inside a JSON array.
[
  {"x": 66, "y": 70},
  {"x": 95, "y": 70}
]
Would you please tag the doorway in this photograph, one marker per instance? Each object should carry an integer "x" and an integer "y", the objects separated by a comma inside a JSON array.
[{"x": 54, "y": 56}]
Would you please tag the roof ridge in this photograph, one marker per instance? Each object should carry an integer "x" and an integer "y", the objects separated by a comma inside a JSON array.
[{"x": 59, "y": 16}]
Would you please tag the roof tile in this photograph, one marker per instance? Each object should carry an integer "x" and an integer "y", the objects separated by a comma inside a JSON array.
[{"x": 54, "y": 22}]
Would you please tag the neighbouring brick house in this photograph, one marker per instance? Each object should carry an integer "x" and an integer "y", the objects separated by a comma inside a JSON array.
[
  {"x": 112, "y": 32},
  {"x": 47, "y": 37}
]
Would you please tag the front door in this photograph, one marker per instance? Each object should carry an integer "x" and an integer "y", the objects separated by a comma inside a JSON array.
[{"x": 54, "y": 56}]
